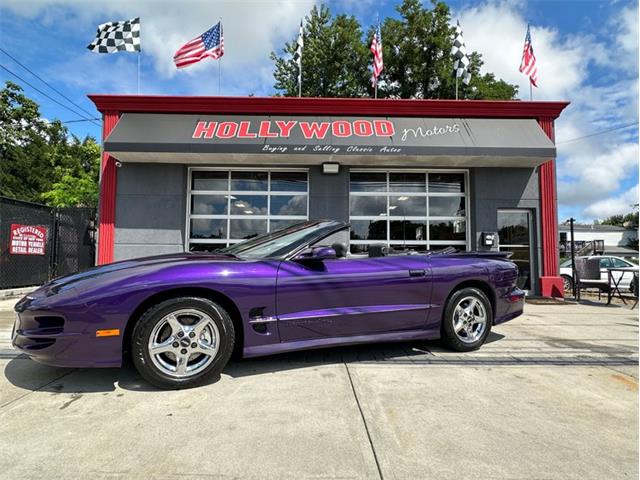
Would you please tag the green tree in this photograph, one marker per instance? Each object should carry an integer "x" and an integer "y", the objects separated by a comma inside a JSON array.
[
  {"x": 39, "y": 160},
  {"x": 416, "y": 50},
  {"x": 334, "y": 59}
]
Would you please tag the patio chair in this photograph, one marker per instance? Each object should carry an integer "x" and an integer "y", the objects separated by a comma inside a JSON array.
[{"x": 588, "y": 276}]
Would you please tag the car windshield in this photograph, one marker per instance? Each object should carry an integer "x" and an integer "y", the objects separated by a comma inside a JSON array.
[{"x": 279, "y": 243}]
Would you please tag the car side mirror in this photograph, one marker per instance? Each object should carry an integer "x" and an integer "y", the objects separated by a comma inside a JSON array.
[{"x": 316, "y": 254}]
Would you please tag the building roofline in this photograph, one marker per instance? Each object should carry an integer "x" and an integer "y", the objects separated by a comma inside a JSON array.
[{"x": 327, "y": 106}]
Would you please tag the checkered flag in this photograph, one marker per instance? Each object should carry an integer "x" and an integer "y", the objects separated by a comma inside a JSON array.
[
  {"x": 459, "y": 51},
  {"x": 114, "y": 37}
]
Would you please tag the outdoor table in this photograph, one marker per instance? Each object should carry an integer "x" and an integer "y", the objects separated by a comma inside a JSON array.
[{"x": 614, "y": 286}]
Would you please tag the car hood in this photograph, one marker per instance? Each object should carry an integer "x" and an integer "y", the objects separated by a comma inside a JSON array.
[{"x": 144, "y": 264}]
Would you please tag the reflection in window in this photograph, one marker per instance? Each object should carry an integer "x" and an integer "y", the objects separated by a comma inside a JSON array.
[
  {"x": 207, "y": 228},
  {"x": 256, "y": 181},
  {"x": 288, "y": 205},
  {"x": 246, "y": 204},
  {"x": 446, "y": 182},
  {"x": 447, "y": 230},
  {"x": 368, "y": 206},
  {"x": 447, "y": 206},
  {"x": 249, "y": 205},
  {"x": 210, "y": 181},
  {"x": 513, "y": 228},
  {"x": 241, "y": 229},
  {"x": 368, "y": 182},
  {"x": 368, "y": 229},
  {"x": 406, "y": 206},
  {"x": 209, "y": 204},
  {"x": 408, "y": 230},
  {"x": 288, "y": 181},
  {"x": 407, "y": 182}
]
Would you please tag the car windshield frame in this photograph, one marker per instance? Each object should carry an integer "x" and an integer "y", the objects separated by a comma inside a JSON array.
[{"x": 282, "y": 243}]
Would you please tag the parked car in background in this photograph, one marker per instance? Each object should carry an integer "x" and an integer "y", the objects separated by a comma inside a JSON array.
[
  {"x": 181, "y": 315},
  {"x": 606, "y": 262}
]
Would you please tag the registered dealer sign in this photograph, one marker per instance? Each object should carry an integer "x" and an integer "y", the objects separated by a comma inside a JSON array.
[{"x": 27, "y": 240}]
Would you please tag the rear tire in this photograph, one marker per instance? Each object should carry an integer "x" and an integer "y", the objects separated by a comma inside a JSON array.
[
  {"x": 567, "y": 283},
  {"x": 467, "y": 321},
  {"x": 182, "y": 342}
]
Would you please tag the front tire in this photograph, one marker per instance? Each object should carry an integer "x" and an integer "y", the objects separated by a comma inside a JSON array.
[
  {"x": 467, "y": 321},
  {"x": 182, "y": 342}
]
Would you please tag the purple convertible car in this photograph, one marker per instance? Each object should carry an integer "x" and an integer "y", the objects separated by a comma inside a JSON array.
[{"x": 181, "y": 316}]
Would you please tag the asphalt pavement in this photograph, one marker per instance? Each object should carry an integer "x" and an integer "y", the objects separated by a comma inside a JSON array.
[{"x": 553, "y": 394}]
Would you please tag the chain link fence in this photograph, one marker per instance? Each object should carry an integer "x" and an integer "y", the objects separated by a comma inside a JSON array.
[{"x": 38, "y": 243}]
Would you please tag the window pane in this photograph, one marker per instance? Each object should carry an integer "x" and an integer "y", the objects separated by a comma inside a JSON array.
[
  {"x": 205, "y": 247},
  {"x": 436, "y": 248},
  {"x": 408, "y": 230},
  {"x": 249, "y": 205},
  {"x": 359, "y": 249},
  {"x": 368, "y": 230},
  {"x": 208, "y": 228},
  {"x": 446, "y": 182},
  {"x": 447, "y": 230},
  {"x": 407, "y": 182},
  {"x": 521, "y": 257},
  {"x": 242, "y": 229},
  {"x": 209, "y": 180},
  {"x": 288, "y": 181},
  {"x": 446, "y": 207},
  {"x": 408, "y": 248},
  {"x": 256, "y": 181},
  {"x": 408, "y": 206},
  {"x": 368, "y": 182},
  {"x": 209, "y": 204},
  {"x": 605, "y": 262},
  {"x": 288, "y": 205},
  {"x": 369, "y": 206},
  {"x": 618, "y": 263},
  {"x": 513, "y": 228},
  {"x": 280, "y": 224}
]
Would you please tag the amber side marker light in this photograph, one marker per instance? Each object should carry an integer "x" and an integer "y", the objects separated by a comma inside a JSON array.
[{"x": 113, "y": 332}]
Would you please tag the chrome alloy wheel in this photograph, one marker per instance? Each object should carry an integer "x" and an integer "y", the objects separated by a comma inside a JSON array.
[
  {"x": 184, "y": 343},
  {"x": 469, "y": 319}
]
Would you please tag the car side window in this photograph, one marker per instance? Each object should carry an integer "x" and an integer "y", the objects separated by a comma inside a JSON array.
[
  {"x": 605, "y": 262},
  {"x": 618, "y": 263}
]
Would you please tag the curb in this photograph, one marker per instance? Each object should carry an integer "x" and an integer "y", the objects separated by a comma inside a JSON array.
[{"x": 10, "y": 293}]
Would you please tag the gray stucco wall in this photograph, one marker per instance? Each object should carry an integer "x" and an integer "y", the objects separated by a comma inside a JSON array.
[
  {"x": 150, "y": 209},
  {"x": 493, "y": 189}
]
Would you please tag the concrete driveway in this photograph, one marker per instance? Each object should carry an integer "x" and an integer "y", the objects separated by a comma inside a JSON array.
[{"x": 554, "y": 394}]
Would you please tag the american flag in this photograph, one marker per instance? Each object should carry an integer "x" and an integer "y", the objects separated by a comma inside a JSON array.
[
  {"x": 376, "y": 48},
  {"x": 528, "y": 63},
  {"x": 209, "y": 44}
]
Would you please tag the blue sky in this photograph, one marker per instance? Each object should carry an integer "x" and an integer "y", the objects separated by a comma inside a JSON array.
[{"x": 587, "y": 54}]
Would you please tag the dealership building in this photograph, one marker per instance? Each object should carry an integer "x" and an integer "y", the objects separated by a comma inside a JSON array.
[{"x": 198, "y": 173}]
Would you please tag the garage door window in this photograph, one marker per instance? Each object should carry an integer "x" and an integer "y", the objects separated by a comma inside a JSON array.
[
  {"x": 226, "y": 207},
  {"x": 417, "y": 210}
]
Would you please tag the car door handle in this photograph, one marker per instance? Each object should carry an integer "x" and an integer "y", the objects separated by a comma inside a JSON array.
[{"x": 417, "y": 273}]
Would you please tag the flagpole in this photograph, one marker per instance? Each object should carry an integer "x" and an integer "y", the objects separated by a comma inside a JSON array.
[
  {"x": 375, "y": 89},
  {"x": 220, "y": 61},
  {"x": 139, "y": 55},
  {"x": 456, "y": 87},
  {"x": 530, "y": 91}
]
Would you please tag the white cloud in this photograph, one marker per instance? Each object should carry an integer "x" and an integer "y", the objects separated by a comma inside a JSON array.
[
  {"x": 618, "y": 205},
  {"x": 592, "y": 170},
  {"x": 251, "y": 32}
]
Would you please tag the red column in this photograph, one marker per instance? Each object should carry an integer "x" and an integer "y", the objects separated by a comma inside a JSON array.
[
  {"x": 550, "y": 281},
  {"x": 107, "y": 210}
]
